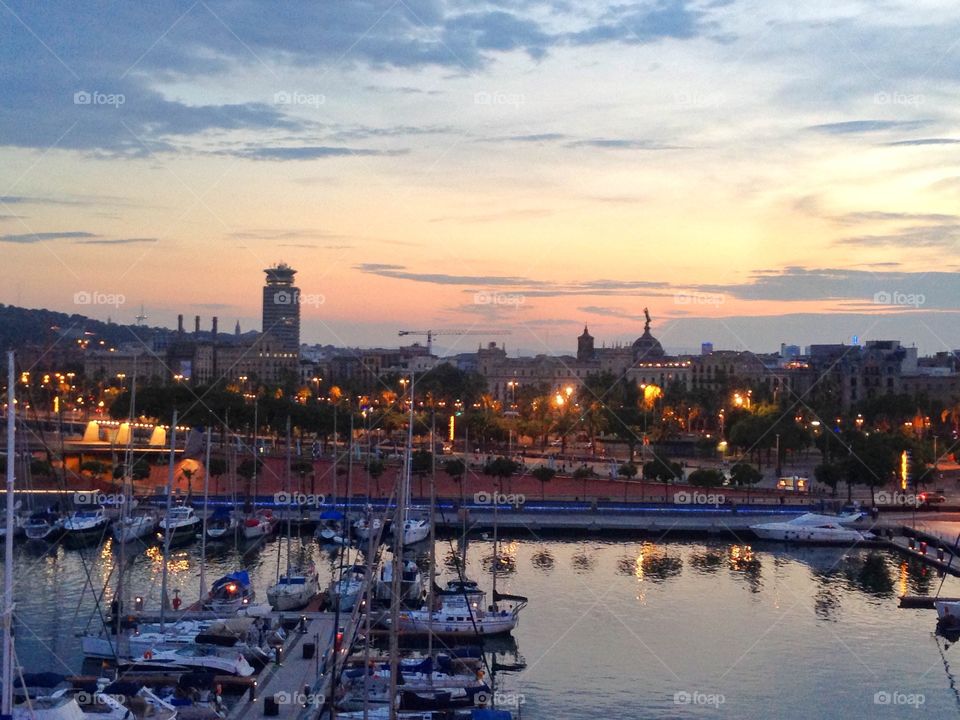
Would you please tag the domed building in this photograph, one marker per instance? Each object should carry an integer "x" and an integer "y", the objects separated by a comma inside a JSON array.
[{"x": 647, "y": 347}]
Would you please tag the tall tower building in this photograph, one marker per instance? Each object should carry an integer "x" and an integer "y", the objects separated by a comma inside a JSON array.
[{"x": 281, "y": 306}]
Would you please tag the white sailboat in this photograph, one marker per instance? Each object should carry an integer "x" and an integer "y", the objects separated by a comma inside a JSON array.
[
  {"x": 141, "y": 524},
  {"x": 182, "y": 523}
]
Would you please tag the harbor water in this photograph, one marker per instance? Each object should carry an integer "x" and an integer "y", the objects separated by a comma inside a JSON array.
[{"x": 614, "y": 628}]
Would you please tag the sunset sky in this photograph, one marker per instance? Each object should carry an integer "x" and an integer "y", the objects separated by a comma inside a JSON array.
[{"x": 753, "y": 172}]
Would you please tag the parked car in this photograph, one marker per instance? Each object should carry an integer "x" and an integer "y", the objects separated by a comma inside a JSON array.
[{"x": 931, "y": 498}]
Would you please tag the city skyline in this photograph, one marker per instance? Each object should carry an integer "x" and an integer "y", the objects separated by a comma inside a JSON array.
[{"x": 430, "y": 165}]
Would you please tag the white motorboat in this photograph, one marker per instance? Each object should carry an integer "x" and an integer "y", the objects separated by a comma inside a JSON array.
[
  {"x": 83, "y": 527},
  {"x": 133, "y": 527},
  {"x": 411, "y": 581},
  {"x": 44, "y": 525},
  {"x": 182, "y": 522},
  {"x": 345, "y": 591},
  {"x": 192, "y": 657},
  {"x": 294, "y": 590},
  {"x": 813, "y": 528},
  {"x": 461, "y": 613}
]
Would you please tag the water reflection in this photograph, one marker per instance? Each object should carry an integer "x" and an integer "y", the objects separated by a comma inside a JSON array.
[
  {"x": 542, "y": 560},
  {"x": 582, "y": 561},
  {"x": 652, "y": 563},
  {"x": 707, "y": 561}
]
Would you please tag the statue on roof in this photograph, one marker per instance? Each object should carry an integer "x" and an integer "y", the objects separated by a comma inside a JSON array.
[{"x": 646, "y": 325}]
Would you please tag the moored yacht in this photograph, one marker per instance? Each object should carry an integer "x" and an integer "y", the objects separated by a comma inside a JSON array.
[
  {"x": 813, "y": 528},
  {"x": 140, "y": 524},
  {"x": 182, "y": 522},
  {"x": 230, "y": 593},
  {"x": 84, "y": 527},
  {"x": 44, "y": 525},
  {"x": 460, "y": 612},
  {"x": 294, "y": 590}
]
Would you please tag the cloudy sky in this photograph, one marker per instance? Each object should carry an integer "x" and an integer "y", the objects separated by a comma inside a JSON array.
[{"x": 753, "y": 172}]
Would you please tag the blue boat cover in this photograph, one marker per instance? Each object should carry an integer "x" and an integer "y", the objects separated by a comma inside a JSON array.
[
  {"x": 239, "y": 576},
  {"x": 331, "y": 515},
  {"x": 482, "y": 714},
  {"x": 221, "y": 513}
]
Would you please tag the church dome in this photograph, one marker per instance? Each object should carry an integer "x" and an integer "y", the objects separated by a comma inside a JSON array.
[{"x": 647, "y": 347}]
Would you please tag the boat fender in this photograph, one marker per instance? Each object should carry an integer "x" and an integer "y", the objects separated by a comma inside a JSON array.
[{"x": 148, "y": 655}]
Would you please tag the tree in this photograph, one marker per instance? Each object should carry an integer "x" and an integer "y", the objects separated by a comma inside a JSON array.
[
  {"x": 94, "y": 467},
  {"x": 544, "y": 474},
  {"x": 829, "y": 474},
  {"x": 501, "y": 468},
  {"x": 628, "y": 471},
  {"x": 375, "y": 468},
  {"x": 420, "y": 464},
  {"x": 139, "y": 470},
  {"x": 663, "y": 470},
  {"x": 742, "y": 474},
  {"x": 706, "y": 477},
  {"x": 301, "y": 468},
  {"x": 217, "y": 469},
  {"x": 456, "y": 469},
  {"x": 584, "y": 472},
  {"x": 248, "y": 469}
]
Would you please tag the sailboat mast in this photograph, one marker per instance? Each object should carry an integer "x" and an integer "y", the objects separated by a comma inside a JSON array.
[
  {"x": 433, "y": 532},
  {"x": 289, "y": 509},
  {"x": 6, "y": 705},
  {"x": 125, "y": 499},
  {"x": 203, "y": 536},
  {"x": 166, "y": 524}
]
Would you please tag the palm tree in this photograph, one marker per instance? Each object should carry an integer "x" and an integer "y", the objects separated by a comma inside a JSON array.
[
  {"x": 544, "y": 474},
  {"x": 628, "y": 471}
]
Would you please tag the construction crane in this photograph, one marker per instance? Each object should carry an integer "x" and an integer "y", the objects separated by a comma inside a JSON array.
[{"x": 430, "y": 334}]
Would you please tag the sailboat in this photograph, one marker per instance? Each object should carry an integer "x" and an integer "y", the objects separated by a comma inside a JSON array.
[
  {"x": 298, "y": 586},
  {"x": 222, "y": 524}
]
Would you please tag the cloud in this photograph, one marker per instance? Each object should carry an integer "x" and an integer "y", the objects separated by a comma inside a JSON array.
[
  {"x": 869, "y": 216},
  {"x": 923, "y": 141},
  {"x": 493, "y": 217},
  {"x": 940, "y": 289},
  {"x": 622, "y": 144},
  {"x": 530, "y": 138},
  {"x": 399, "y": 272},
  {"x": 118, "y": 241},
  {"x": 635, "y": 25},
  {"x": 857, "y": 127},
  {"x": 613, "y": 312},
  {"x": 31, "y": 238},
  {"x": 941, "y": 236},
  {"x": 320, "y": 152}
]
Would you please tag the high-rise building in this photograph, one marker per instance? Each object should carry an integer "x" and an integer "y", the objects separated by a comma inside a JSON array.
[{"x": 281, "y": 306}]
